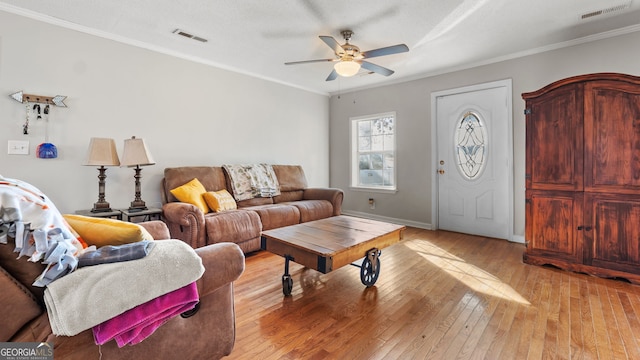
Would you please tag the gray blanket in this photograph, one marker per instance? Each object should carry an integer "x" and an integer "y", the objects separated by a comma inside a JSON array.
[
  {"x": 116, "y": 253},
  {"x": 94, "y": 294}
]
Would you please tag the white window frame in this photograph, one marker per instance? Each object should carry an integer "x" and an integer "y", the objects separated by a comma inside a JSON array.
[{"x": 355, "y": 154}]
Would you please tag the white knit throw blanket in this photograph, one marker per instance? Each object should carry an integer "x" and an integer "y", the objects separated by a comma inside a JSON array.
[
  {"x": 94, "y": 294},
  {"x": 250, "y": 181}
]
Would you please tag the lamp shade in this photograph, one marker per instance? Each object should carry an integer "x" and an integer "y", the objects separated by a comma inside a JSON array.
[
  {"x": 347, "y": 68},
  {"x": 136, "y": 153},
  {"x": 102, "y": 152}
]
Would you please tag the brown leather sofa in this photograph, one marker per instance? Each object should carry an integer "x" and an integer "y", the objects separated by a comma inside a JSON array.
[
  {"x": 296, "y": 204},
  {"x": 209, "y": 333}
]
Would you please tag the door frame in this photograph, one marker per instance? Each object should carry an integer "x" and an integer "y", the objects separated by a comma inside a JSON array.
[{"x": 507, "y": 83}]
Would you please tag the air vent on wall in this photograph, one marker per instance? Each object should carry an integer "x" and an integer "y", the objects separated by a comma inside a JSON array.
[
  {"x": 190, "y": 36},
  {"x": 607, "y": 10}
]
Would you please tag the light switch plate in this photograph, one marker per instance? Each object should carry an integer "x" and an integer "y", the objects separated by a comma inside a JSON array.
[{"x": 18, "y": 147}]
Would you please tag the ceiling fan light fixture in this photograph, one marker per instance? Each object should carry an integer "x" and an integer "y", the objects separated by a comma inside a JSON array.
[{"x": 347, "y": 68}]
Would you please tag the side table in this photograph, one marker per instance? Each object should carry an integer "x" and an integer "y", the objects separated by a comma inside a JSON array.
[
  {"x": 116, "y": 214},
  {"x": 147, "y": 215}
]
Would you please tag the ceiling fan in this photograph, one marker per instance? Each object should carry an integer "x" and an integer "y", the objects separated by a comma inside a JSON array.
[{"x": 349, "y": 58}]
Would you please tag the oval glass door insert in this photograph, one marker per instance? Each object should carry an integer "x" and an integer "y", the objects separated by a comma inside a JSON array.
[{"x": 471, "y": 145}]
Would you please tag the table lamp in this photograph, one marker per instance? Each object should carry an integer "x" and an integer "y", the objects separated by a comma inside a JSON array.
[
  {"x": 102, "y": 152},
  {"x": 136, "y": 154}
]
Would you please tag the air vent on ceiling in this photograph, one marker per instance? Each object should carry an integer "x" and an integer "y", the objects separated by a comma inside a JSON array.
[
  {"x": 190, "y": 36},
  {"x": 607, "y": 10}
]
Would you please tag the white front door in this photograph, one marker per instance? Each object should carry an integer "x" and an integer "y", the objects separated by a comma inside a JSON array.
[{"x": 474, "y": 160}]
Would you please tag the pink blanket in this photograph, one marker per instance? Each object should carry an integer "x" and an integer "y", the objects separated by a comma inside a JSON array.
[{"x": 135, "y": 325}]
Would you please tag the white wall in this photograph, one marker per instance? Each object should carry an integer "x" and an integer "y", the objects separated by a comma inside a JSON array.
[
  {"x": 188, "y": 114},
  {"x": 411, "y": 100},
  {"x": 193, "y": 114}
]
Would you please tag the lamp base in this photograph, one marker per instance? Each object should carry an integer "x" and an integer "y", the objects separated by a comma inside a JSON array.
[
  {"x": 101, "y": 207},
  {"x": 138, "y": 205}
]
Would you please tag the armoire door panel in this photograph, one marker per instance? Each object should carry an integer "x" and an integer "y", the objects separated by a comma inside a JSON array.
[
  {"x": 554, "y": 140},
  {"x": 552, "y": 224},
  {"x": 615, "y": 237},
  {"x": 612, "y": 133}
]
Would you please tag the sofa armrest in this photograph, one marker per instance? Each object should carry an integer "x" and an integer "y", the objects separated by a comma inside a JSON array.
[
  {"x": 185, "y": 222},
  {"x": 19, "y": 306},
  {"x": 223, "y": 263},
  {"x": 333, "y": 195},
  {"x": 157, "y": 229}
]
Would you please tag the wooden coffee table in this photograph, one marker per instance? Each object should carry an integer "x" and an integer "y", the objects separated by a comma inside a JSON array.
[{"x": 328, "y": 244}]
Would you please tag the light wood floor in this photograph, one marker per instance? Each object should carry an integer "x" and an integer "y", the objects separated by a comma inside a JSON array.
[{"x": 440, "y": 295}]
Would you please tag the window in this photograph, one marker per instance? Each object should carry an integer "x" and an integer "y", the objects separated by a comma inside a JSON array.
[{"x": 373, "y": 151}]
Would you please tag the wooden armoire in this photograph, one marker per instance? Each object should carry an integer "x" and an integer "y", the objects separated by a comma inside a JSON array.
[{"x": 583, "y": 175}]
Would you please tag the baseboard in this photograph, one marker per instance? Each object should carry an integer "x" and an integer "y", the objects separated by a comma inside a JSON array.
[
  {"x": 516, "y": 238},
  {"x": 416, "y": 224}
]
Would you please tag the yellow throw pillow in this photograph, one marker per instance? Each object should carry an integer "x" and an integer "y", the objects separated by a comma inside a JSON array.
[
  {"x": 191, "y": 193},
  {"x": 220, "y": 200},
  {"x": 105, "y": 231}
]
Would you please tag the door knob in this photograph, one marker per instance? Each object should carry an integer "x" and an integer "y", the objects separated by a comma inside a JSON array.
[{"x": 440, "y": 171}]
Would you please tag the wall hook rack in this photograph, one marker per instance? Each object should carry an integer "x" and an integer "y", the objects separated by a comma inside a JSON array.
[{"x": 57, "y": 100}]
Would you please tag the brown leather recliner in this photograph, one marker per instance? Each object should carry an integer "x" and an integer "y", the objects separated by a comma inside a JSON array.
[{"x": 209, "y": 333}]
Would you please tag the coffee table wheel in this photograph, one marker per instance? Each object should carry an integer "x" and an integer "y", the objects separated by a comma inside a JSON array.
[
  {"x": 368, "y": 272},
  {"x": 287, "y": 284}
]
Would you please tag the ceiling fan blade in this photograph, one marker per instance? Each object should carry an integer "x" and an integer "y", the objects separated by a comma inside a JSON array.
[
  {"x": 332, "y": 76},
  {"x": 376, "y": 68},
  {"x": 308, "y": 61},
  {"x": 332, "y": 43},
  {"x": 389, "y": 50}
]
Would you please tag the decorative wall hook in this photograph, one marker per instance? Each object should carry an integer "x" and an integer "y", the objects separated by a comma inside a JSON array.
[{"x": 57, "y": 100}]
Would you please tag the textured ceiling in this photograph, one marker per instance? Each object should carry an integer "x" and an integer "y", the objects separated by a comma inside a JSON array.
[{"x": 257, "y": 37}]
